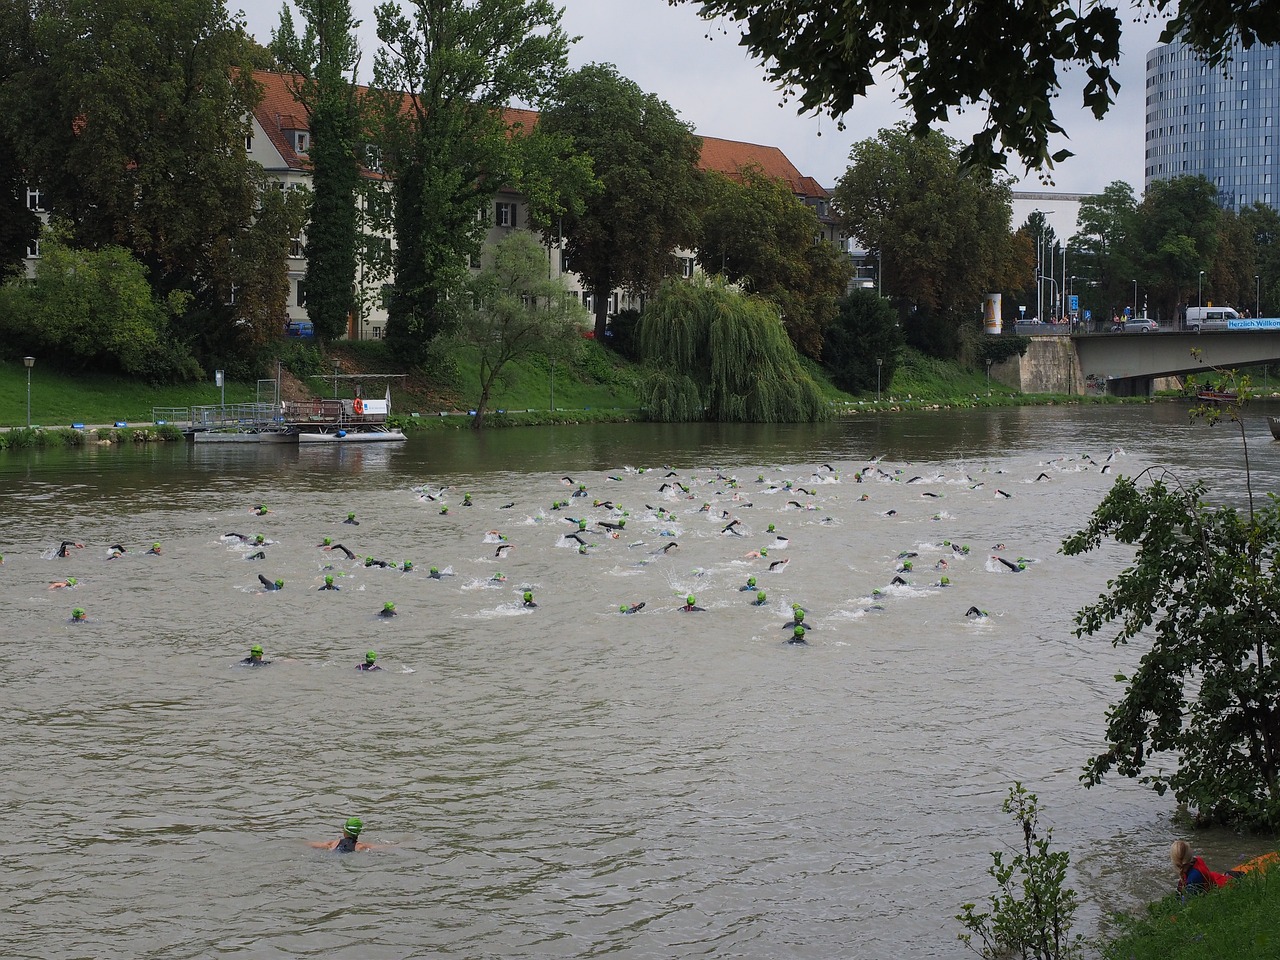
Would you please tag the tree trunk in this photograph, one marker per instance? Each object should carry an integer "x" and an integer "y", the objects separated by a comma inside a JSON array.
[{"x": 600, "y": 300}]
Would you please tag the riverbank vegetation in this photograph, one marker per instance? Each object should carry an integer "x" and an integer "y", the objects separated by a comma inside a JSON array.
[{"x": 1237, "y": 921}]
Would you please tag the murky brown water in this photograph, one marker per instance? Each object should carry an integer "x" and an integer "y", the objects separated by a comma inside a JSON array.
[{"x": 566, "y": 781}]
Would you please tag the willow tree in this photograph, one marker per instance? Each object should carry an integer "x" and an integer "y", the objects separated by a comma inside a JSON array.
[{"x": 714, "y": 353}]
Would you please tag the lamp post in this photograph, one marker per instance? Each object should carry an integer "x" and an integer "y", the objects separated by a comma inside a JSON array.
[
  {"x": 1135, "y": 299},
  {"x": 29, "y": 362},
  {"x": 337, "y": 364},
  {"x": 988, "y": 376},
  {"x": 1200, "y": 294},
  {"x": 1257, "y": 296},
  {"x": 879, "y": 364},
  {"x": 553, "y": 384}
]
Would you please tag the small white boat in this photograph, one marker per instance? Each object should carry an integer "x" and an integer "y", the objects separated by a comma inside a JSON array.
[{"x": 380, "y": 435}]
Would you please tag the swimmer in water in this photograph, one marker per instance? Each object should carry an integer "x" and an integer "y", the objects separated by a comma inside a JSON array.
[
  {"x": 328, "y": 583},
  {"x": 606, "y": 504},
  {"x": 261, "y": 510},
  {"x": 1107, "y": 468},
  {"x": 797, "y": 636},
  {"x": 581, "y": 491},
  {"x": 1043, "y": 476},
  {"x": 634, "y": 608},
  {"x": 1007, "y": 496},
  {"x": 62, "y": 550},
  {"x": 349, "y": 841},
  {"x": 60, "y": 584},
  {"x": 388, "y": 610},
  {"x": 337, "y": 546},
  {"x": 232, "y": 535},
  {"x": 975, "y": 614},
  {"x": 435, "y": 573},
  {"x": 943, "y": 582},
  {"x": 351, "y": 519},
  {"x": 498, "y": 577},
  {"x": 270, "y": 585},
  {"x": 621, "y": 524},
  {"x": 748, "y": 586},
  {"x": 502, "y": 550},
  {"x": 466, "y": 500},
  {"x": 691, "y": 605},
  {"x": 156, "y": 550},
  {"x": 574, "y": 536},
  {"x": 760, "y": 600},
  {"x": 1016, "y": 566},
  {"x": 528, "y": 599},
  {"x": 797, "y": 620},
  {"x": 78, "y": 615},
  {"x": 254, "y": 659},
  {"x": 260, "y": 555},
  {"x": 778, "y": 565},
  {"x": 373, "y": 562},
  {"x": 370, "y": 662}
]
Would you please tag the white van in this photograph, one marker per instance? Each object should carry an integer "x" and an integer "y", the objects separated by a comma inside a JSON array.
[{"x": 1210, "y": 318}]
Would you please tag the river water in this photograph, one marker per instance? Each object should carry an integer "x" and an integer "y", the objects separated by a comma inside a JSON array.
[{"x": 567, "y": 781}]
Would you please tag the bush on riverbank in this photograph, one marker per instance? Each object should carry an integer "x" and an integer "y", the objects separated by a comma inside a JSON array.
[{"x": 1236, "y": 921}]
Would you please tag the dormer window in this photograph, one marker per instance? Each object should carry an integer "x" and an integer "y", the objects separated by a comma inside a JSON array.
[{"x": 301, "y": 141}]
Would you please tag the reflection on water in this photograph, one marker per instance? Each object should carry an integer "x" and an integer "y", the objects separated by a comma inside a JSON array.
[{"x": 568, "y": 781}]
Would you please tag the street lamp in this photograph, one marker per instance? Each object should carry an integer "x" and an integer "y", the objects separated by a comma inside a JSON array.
[
  {"x": 1135, "y": 299},
  {"x": 337, "y": 365},
  {"x": 1257, "y": 296},
  {"x": 988, "y": 376},
  {"x": 29, "y": 362},
  {"x": 1200, "y": 295},
  {"x": 879, "y": 364}
]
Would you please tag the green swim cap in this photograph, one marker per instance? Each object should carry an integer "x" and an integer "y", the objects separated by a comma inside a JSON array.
[
  {"x": 259, "y": 538},
  {"x": 751, "y": 581},
  {"x": 764, "y": 552},
  {"x": 876, "y": 592},
  {"x": 368, "y": 561},
  {"x": 499, "y": 575},
  {"x": 353, "y": 826},
  {"x": 906, "y": 564},
  {"x": 444, "y": 510},
  {"x": 256, "y": 650},
  {"x": 945, "y": 581},
  {"x": 434, "y": 570},
  {"x": 798, "y": 631},
  {"x": 621, "y": 524},
  {"x": 156, "y": 545},
  {"x": 799, "y": 614},
  {"x": 408, "y": 565},
  {"x": 771, "y": 528},
  {"x": 328, "y": 578},
  {"x": 760, "y": 597},
  {"x": 528, "y": 595},
  {"x": 77, "y": 613},
  {"x": 582, "y": 548},
  {"x": 371, "y": 656},
  {"x": 691, "y": 599},
  {"x": 72, "y": 581},
  {"x": 328, "y": 541},
  {"x": 622, "y": 608},
  {"x": 388, "y": 605},
  {"x": 1022, "y": 566},
  {"x": 351, "y": 516},
  {"x": 279, "y": 584},
  {"x": 582, "y": 524}
]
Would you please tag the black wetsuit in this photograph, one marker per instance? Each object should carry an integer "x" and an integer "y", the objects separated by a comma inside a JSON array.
[
  {"x": 386, "y": 613},
  {"x": 267, "y": 584},
  {"x": 337, "y": 546},
  {"x": 353, "y": 521},
  {"x": 251, "y": 662},
  {"x": 239, "y": 536},
  {"x": 346, "y": 845},
  {"x": 329, "y": 586},
  {"x": 62, "y": 550},
  {"x": 635, "y": 607},
  {"x": 367, "y": 667},
  {"x": 975, "y": 612},
  {"x": 777, "y": 563},
  {"x": 574, "y": 536},
  {"x": 498, "y": 552},
  {"x": 260, "y": 555},
  {"x": 371, "y": 562}
]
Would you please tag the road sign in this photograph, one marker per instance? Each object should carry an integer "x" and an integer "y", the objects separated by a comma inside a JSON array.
[{"x": 1074, "y": 300}]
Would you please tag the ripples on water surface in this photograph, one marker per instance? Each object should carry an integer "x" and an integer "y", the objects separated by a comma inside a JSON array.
[{"x": 565, "y": 781}]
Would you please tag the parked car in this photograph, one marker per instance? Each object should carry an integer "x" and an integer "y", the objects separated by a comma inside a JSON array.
[
  {"x": 1210, "y": 318},
  {"x": 1141, "y": 325}
]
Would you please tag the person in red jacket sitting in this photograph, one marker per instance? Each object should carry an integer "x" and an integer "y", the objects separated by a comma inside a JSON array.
[{"x": 1194, "y": 877}]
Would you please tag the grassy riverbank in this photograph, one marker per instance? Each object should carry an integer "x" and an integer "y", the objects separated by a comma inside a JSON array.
[
  {"x": 1237, "y": 921},
  {"x": 600, "y": 386}
]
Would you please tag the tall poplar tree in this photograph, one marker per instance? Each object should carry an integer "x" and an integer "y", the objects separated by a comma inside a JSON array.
[
  {"x": 446, "y": 73},
  {"x": 647, "y": 161},
  {"x": 323, "y": 62}
]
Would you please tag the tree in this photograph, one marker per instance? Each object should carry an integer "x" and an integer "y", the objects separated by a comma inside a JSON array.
[
  {"x": 646, "y": 160},
  {"x": 519, "y": 312},
  {"x": 1263, "y": 224},
  {"x": 447, "y": 71},
  {"x": 715, "y": 353},
  {"x": 1176, "y": 236},
  {"x": 1230, "y": 277},
  {"x": 1202, "y": 590},
  {"x": 19, "y": 225},
  {"x": 94, "y": 310},
  {"x": 947, "y": 55},
  {"x": 862, "y": 345},
  {"x": 323, "y": 63},
  {"x": 942, "y": 233},
  {"x": 756, "y": 232},
  {"x": 1104, "y": 248}
]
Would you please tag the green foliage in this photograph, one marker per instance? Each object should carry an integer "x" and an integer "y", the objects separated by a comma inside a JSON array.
[
  {"x": 646, "y": 159},
  {"x": 757, "y": 232},
  {"x": 715, "y": 353},
  {"x": 1105, "y": 249},
  {"x": 518, "y": 312},
  {"x": 444, "y": 76},
  {"x": 1203, "y": 586},
  {"x": 866, "y": 330},
  {"x": 93, "y": 310},
  {"x": 1031, "y": 914},
  {"x": 1176, "y": 233},
  {"x": 942, "y": 233},
  {"x": 1000, "y": 349},
  {"x": 1237, "y": 921},
  {"x": 323, "y": 61},
  {"x": 821, "y": 54},
  {"x": 623, "y": 327}
]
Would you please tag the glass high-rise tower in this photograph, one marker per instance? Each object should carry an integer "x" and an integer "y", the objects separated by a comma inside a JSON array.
[{"x": 1215, "y": 122}]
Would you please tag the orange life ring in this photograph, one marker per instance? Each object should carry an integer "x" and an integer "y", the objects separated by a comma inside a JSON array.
[{"x": 357, "y": 405}]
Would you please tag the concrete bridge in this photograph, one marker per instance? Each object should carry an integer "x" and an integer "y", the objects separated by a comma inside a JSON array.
[{"x": 1129, "y": 364}]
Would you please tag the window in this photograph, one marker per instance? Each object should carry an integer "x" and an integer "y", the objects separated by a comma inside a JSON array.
[
  {"x": 295, "y": 247},
  {"x": 564, "y": 261},
  {"x": 588, "y": 301},
  {"x": 248, "y": 143},
  {"x": 506, "y": 215},
  {"x": 33, "y": 249},
  {"x": 377, "y": 333},
  {"x": 35, "y": 199},
  {"x": 302, "y": 293},
  {"x": 301, "y": 141},
  {"x": 372, "y": 158},
  {"x": 231, "y": 296},
  {"x": 686, "y": 267}
]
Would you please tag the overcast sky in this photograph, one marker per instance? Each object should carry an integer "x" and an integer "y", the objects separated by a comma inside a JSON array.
[{"x": 699, "y": 69}]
